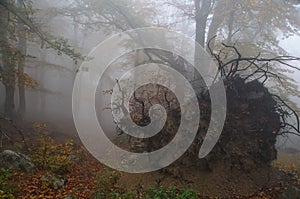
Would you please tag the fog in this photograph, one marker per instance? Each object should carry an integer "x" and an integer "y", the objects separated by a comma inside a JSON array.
[
  {"x": 290, "y": 45},
  {"x": 51, "y": 101}
]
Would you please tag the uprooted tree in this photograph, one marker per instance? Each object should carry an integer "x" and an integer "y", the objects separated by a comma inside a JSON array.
[{"x": 255, "y": 116}]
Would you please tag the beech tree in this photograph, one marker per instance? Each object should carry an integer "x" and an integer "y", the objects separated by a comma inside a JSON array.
[
  {"x": 253, "y": 27},
  {"x": 17, "y": 24}
]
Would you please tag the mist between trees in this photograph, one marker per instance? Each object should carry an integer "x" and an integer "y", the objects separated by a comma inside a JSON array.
[{"x": 43, "y": 44}]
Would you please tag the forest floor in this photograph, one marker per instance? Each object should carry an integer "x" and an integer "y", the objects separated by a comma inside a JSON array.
[{"x": 85, "y": 177}]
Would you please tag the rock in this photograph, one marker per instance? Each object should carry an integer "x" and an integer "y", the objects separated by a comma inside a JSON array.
[
  {"x": 291, "y": 193},
  {"x": 53, "y": 180},
  {"x": 14, "y": 160}
]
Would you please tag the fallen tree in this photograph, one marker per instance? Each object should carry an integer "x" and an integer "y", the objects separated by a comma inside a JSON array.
[{"x": 255, "y": 118}]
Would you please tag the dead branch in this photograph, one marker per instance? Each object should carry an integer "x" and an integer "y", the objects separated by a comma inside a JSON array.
[{"x": 258, "y": 68}]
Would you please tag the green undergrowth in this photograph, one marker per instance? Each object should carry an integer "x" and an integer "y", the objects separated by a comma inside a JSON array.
[{"x": 108, "y": 187}]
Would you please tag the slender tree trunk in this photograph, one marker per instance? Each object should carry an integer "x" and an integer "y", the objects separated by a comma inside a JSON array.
[
  {"x": 217, "y": 20},
  {"x": 7, "y": 70},
  {"x": 21, "y": 64},
  {"x": 9, "y": 84},
  {"x": 231, "y": 23},
  {"x": 9, "y": 105},
  {"x": 22, "y": 47},
  {"x": 203, "y": 8}
]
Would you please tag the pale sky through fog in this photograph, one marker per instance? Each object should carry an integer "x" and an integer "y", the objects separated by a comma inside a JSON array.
[{"x": 292, "y": 46}]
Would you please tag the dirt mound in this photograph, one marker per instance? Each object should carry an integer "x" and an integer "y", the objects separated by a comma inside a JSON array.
[
  {"x": 249, "y": 135},
  {"x": 240, "y": 161}
]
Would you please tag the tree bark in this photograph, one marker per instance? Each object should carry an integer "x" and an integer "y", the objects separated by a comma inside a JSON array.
[
  {"x": 203, "y": 8},
  {"x": 217, "y": 20},
  {"x": 21, "y": 64},
  {"x": 22, "y": 45},
  {"x": 9, "y": 105},
  {"x": 7, "y": 70},
  {"x": 231, "y": 23}
]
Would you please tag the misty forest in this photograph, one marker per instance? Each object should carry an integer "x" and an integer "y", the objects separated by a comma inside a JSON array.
[{"x": 48, "y": 145}]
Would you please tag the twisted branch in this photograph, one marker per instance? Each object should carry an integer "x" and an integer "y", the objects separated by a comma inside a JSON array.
[{"x": 261, "y": 67}]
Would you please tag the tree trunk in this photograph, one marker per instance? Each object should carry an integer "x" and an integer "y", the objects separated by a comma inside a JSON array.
[
  {"x": 22, "y": 99},
  {"x": 217, "y": 19},
  {"x": 230, "y": 24},
  {"x": 9, "y": 105},
  {"x": 7, "y": 70},
  {"x": 203, "y": 8},
  {"x": 22, "y": 47}
]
